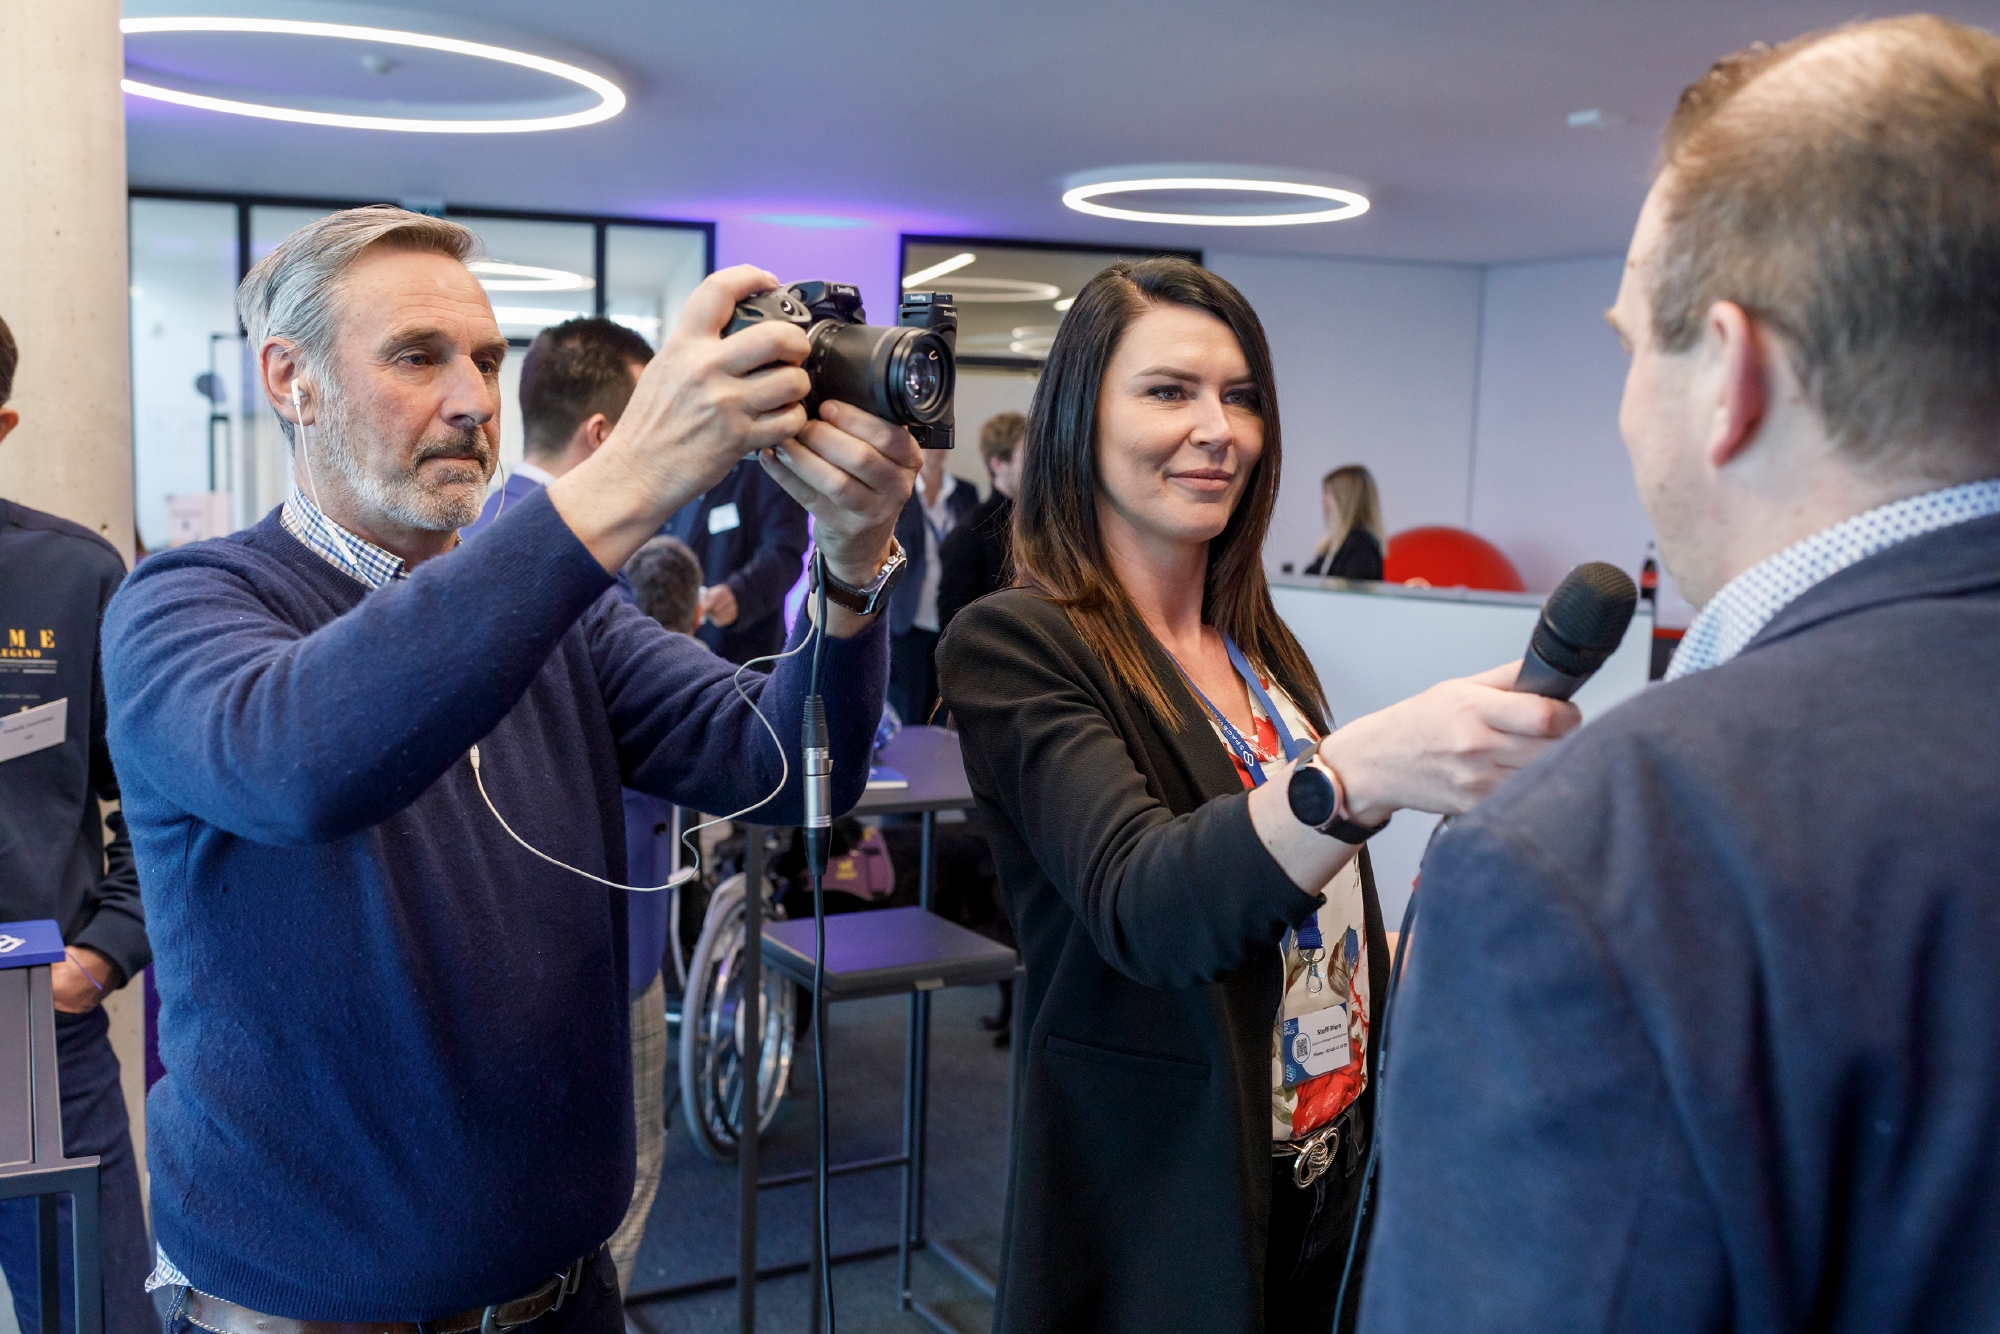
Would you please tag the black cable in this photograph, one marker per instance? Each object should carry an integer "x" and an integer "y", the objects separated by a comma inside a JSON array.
[
  {"x": 813, "y": 736},
  {"x": 1381, "y": 1071}
]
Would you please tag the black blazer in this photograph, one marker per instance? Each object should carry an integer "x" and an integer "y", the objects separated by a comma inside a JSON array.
[
  {"x": 761, "y": 558},
  {"x": 974, "y": 558},
  {"x": 1150, "y": 918},
  {"x": 1359, "y": 557}
]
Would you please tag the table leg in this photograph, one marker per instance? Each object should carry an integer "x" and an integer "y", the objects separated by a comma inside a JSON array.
[
  {"x": 48, "y": 1253},
  {"x": 752, "y": 1055},
  {"x": 84, "y": 1253}
]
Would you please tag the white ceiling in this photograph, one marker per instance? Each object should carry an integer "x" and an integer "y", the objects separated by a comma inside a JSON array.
[{"x": 951, "y": 116}]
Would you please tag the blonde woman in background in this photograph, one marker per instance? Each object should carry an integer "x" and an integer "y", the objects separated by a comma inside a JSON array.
[{"x": 1354, "y": 536}]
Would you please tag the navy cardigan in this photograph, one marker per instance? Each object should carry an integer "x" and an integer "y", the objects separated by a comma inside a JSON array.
[
  {"x": 398, "y": 1069},
  {"x": 1701, "y": 1028}
]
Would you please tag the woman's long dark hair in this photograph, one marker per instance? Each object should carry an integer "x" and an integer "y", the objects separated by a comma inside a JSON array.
[{"x": 1058, "y": 550}]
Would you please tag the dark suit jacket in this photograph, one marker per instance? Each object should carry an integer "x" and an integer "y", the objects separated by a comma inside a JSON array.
[
  {"x": 910, "y": 532},
  {"x": 1701, "y": 1028},
  {"x": 974, "y": 559},
  {"x": 761, "y": 558},
  {"x": 1149, "y": 917},
  {"x": 1359, "y": 557}
]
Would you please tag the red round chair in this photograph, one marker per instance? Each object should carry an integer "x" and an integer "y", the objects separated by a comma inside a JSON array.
[{"x": 1441, "y": 557}]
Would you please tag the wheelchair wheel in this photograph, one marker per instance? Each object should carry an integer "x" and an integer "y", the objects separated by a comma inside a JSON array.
[{"x": 712, "y": 1031}]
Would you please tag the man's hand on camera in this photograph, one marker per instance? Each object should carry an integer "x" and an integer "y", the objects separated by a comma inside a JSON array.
[
  {"x": 854, "y": 471},
  {"x": 700, "y": 405}
]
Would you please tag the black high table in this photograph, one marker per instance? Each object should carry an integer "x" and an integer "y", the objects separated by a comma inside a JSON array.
[
  {"x": 31, "y": 1147},
  {"x": 871, "y": 954}
]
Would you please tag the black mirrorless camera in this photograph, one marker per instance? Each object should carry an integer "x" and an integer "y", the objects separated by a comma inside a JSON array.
[{"x": 905, "y": 374}]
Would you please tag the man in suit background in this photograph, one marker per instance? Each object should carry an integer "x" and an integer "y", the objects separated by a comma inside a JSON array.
[
  {"x": 974, "y": 559},
  {"x": 939, "y": 503},
  {"x": 751, "y": 540},
  {"x": 1698, "y": 1030},
  {"x": 575, "y": 383}
]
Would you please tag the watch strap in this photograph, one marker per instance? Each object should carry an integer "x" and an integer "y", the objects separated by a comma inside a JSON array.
[
  {"x": 1338, "y": 825},
  {"x": 864, "y": 601}
]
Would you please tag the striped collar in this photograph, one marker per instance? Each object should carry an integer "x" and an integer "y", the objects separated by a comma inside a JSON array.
[
  {"x": 1753, "y": 598},
  {"x": 354, "y": 556}
]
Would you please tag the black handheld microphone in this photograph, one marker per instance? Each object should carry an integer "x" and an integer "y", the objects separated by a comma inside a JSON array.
[{"x": 1582, "y": 624}]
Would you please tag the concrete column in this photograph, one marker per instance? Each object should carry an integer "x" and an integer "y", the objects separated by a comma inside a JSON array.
[
  {"x": 63, "y": 267},
  {"x": 63, "y": 262}
]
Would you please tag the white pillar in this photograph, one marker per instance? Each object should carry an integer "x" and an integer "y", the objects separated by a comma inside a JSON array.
[
  {"x": 63, "y": 266},
  {"x": 63, "y": 262}
]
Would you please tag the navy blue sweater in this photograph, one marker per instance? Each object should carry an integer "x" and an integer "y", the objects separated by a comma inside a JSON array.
[
  {"x": 399, "y": 1078},
  {"x": 1701, "y": 1025}
]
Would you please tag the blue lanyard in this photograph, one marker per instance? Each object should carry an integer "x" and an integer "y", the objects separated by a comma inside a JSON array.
[
  {"x": 1237, "y": 745},
  {"x": 1308, "y": 935}
]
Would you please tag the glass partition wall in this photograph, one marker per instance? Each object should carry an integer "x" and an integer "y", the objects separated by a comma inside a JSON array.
[{"x": 208, "y": 457}]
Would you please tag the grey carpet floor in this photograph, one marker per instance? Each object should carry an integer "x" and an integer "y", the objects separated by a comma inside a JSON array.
[{"x": 692, "y": 1233}]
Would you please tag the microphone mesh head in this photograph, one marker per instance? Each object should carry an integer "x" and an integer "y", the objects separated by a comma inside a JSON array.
[{"x": 1584, "y": 620}]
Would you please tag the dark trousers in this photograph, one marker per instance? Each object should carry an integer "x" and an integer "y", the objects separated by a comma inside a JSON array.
[
  {"x": 93, "y": 1119},
  {"x": 913, "y": 675},
  {"x": 1307, "y": 1250},
  {"x": 594, "y": 1308}
]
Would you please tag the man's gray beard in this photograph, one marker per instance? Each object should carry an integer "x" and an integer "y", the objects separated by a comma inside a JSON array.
[{"x": 404, "y": 497}]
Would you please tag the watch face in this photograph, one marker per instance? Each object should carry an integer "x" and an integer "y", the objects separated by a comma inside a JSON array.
[{"x": 1312, "y": 795}]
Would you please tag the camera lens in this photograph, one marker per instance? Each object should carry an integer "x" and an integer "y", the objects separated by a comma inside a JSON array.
[
  {"x": 921, "y": 373},
  {"x": 922, "y": 376}
]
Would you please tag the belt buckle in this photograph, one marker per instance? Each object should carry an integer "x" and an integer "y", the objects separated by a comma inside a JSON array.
[{"x": 1314, "y": 1156}]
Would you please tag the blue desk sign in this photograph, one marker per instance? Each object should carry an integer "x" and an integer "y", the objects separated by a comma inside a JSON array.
[{"x": 25, "y": 944}]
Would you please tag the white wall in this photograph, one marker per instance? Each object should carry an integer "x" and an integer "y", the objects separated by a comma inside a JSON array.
[
  {"x": 1551, "y": 485},
  {"x": 1376, "y": 364}
]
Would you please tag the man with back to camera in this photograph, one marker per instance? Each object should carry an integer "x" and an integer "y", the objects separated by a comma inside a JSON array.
[
  {"x": 396, "y": 1037},
  {"x": 1698, "y": 1030},
  {"x": 750, "y": 538},
  {"x": 55, "y": 579}
]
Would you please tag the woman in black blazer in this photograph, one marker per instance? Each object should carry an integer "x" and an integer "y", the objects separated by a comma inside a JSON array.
[{"x": 1202, "y": 966}]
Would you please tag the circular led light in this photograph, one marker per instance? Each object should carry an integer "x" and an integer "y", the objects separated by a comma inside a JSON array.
[
  {"x": 611, "y": 99},
  {"x": 1350, "y": 203},
  {"x": 499, "y": 276},
  {"x": 972, "y": 291}
]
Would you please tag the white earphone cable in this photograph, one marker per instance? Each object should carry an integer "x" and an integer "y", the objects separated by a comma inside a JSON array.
[{"x": 686, "y": 873}]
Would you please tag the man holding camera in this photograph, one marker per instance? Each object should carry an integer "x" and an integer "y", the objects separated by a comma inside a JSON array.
[
  {"x": 373, "y": 783},
  {"x": 1698, "y": 1032}
]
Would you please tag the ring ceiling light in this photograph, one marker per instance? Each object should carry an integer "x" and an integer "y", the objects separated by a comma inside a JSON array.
[
  {"x": 499, "y": 276},
  {"x": 972, "y": 291},
  {"x": 1084, "y": 192},
  {"x": 611, "y": 99}
]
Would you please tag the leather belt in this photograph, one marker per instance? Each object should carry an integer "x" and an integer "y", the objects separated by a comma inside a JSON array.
[
  {"x": 221, "y": 1317},
  {"x": 1313, "y": 1154}
]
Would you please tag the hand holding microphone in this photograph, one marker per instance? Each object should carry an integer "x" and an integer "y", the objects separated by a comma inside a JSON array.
[{"x": 1446, "y": 749}]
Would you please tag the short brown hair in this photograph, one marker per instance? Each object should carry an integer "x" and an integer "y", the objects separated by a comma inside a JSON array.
[
  {"x": 10, "y": 357},
  {"x": 1844, "y": 189},
  {"x": 1001, "y": 436},
  {"x": 666, "y": 583},
  {"x": 572, "y": 372}
]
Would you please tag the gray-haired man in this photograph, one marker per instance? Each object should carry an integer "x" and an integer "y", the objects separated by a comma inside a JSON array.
[{"x": 374, "y": 794}]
